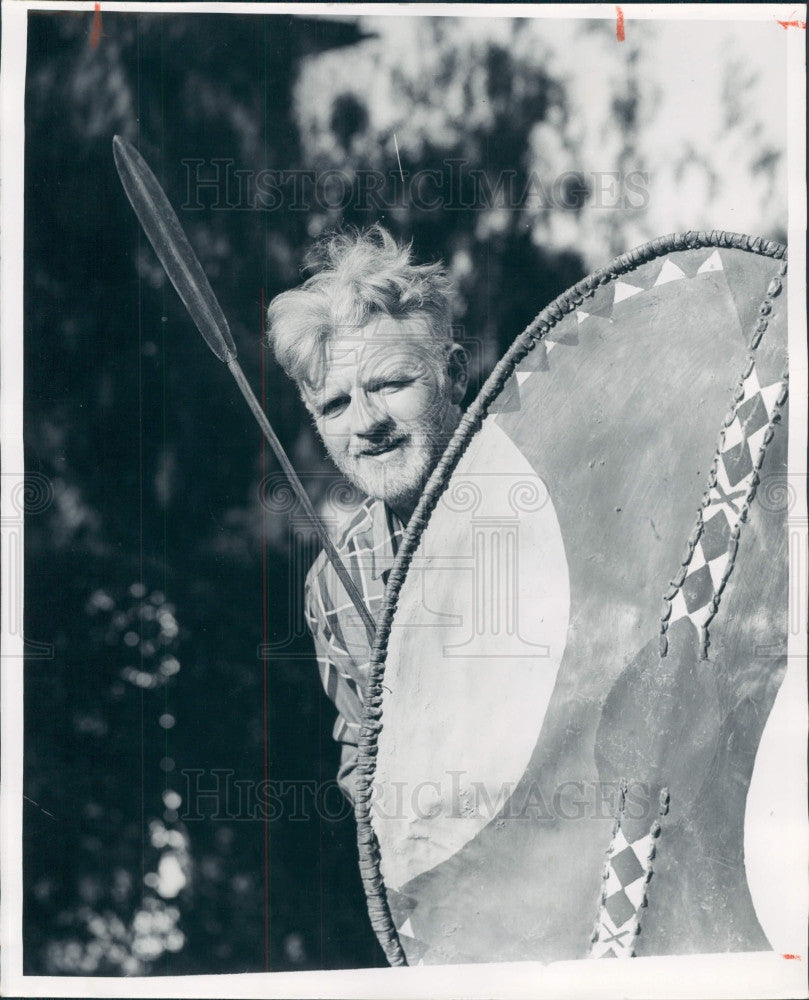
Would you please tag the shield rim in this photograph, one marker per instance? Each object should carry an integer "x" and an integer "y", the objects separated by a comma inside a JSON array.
[{"x": 368, "y": 846}]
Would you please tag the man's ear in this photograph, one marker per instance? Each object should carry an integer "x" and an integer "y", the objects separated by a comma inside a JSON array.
[{"x": 457, "y": 367}]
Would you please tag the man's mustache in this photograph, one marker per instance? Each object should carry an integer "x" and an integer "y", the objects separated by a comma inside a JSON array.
[{"x": 376, "y": 444}]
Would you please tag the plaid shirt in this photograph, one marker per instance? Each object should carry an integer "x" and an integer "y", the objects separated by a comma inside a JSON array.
[{"x": 367, "y": 544}]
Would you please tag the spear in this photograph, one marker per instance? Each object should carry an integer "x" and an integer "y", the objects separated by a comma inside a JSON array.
[{"x": 163, "y": 229}]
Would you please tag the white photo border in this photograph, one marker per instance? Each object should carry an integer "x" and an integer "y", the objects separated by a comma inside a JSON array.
[{"x": 727, "y": 975}]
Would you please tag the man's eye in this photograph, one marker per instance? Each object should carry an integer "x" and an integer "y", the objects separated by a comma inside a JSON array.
[
  {"x": 334, "y": 406},
  {"x": 394, "y": 384}
]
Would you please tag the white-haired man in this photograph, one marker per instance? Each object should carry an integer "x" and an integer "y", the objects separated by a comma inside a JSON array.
[{"x": 367, "y": 339}]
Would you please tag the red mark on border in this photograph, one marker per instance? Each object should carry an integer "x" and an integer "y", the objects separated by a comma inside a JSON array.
[
  {"x": 619, "y": 25},
  {"x": 795, "y": 958},
  {"x": 792, "y": 24},
  {"x": 95, "y": 35}
]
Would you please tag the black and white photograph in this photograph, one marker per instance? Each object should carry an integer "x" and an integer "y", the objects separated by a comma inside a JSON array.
[{"x": 404, "y": 533}]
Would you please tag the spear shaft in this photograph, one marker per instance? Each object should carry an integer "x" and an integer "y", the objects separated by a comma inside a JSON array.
[{"x": 163, "y": 229}]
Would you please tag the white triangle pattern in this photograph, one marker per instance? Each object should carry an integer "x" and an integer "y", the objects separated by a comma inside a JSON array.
[
  {"x": 756, "y": 440},
  {"x": 769, "y": 394},
  {"x": 623, "y": 290},
  {"x": 697, "y": 559},
  {"x": 717, "y": 568},
  {"x": 733, "y": 434},
  {"x": 713, "y": 263},
  {"x": 751, "y": 385},
  {"x": 669, "y": 272}
]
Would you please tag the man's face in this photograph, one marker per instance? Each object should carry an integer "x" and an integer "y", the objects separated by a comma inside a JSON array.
[{"x": 385, "y": 407}]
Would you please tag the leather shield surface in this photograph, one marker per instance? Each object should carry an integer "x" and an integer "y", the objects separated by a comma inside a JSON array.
[{"x": 585, "y": 629}]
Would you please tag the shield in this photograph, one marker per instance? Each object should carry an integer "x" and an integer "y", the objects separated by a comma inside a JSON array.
[{"x": 585, "y": 629}]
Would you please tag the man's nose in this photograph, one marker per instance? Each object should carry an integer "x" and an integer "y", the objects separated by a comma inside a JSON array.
[{"x": 368, "y": 417}]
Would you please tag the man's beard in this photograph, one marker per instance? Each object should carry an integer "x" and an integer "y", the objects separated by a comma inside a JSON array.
[{"x": 397, "y": 477}]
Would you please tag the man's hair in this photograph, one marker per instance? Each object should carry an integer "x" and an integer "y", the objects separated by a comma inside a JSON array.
[{"x": 358, "y": 274}]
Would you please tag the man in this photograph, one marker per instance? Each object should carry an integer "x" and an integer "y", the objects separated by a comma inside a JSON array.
[{"x": 367, "y": 339}]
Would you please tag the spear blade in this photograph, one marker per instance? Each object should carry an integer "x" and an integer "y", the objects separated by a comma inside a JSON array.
[{"x": 163, "y": 229}]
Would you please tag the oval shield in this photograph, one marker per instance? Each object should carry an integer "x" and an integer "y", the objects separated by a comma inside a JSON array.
[{"x": 585, "y": 629}]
